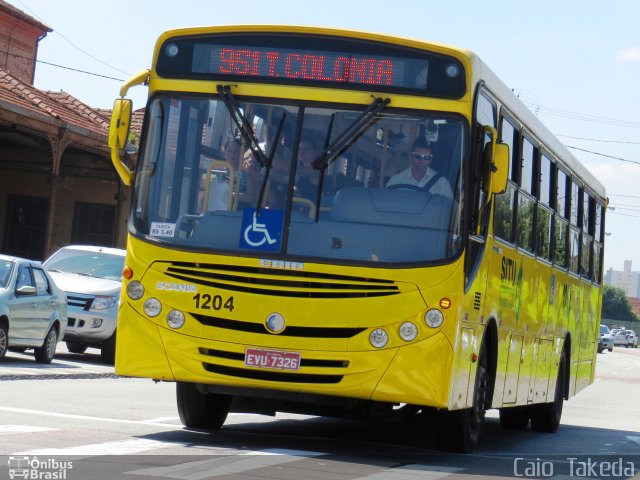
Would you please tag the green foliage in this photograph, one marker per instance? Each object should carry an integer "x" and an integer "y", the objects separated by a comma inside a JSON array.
[{"x": 615, "y": 305}]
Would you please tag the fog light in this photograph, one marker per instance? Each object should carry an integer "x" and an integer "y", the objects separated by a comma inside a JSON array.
[
  {"x": 96, "y": 322},
  {"x": 152, "y": 307},
  {"x": 175, "y": 319},
  {"x": 378, "y": 338},
  {"x": 135, "y": 290},
  {"x": 408, "y": 331},
  {"x": 434, "y": 318}
]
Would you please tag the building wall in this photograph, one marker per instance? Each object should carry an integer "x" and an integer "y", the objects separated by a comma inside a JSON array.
[
  {"x": 18, "y": 46},
  {"x": 626, "y": 279}
]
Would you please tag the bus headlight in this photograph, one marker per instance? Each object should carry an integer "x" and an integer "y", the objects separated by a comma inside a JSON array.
[
  {"x": 408, "y": 331},
  {"x": 433, "y": 318},
  {"x": 379, "y": 338},
  {"x": 152, "y": 307},
  {"x": 175, "y": 319},
  {"x": 135, "y": 290}
]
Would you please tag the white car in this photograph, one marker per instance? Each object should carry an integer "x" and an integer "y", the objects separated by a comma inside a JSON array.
[
  {"x": 92, "y": 279},
  {"x": 624, "y": 338},
  {"x": 33, "y": 310},
  {"x": 632, "y": 339}
]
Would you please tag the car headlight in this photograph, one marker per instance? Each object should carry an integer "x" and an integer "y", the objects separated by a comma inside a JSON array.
[{"x": 103, "y": 302}]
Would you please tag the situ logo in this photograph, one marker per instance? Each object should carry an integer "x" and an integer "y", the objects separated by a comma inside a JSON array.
[{"x": 36, "y": 469}]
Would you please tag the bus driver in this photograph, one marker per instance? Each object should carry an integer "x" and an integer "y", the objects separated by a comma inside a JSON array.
[{"x": 420, "y": 174}]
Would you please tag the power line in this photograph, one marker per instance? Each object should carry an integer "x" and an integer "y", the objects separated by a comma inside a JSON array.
[
  {"x": 603, "y": 155},
  {"x": 80, "y": 71},
  {"x": 621, "y": 195},
  {"x": 598, "y": 140},
  {"x": 62, "y": 66},
  {"x": 70, "y": 42},
  {"x": 622, "y": 214},
  {"x": 536, "y": 108}
]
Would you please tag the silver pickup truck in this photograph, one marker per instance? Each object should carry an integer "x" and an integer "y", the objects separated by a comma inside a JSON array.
[{"x": 92, "y": 279}]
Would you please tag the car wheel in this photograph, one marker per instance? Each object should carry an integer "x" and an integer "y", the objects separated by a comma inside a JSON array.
[
  {"x": 4, "y": 339},
  {"x": 611, "y": 349},
  {"x": 108, "y": 350},
  {"x": 45, "y": 353},
  {"x": 77, "y": 347}
]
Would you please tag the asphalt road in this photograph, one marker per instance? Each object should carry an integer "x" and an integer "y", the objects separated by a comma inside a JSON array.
[{"x": 77, "y": 419}]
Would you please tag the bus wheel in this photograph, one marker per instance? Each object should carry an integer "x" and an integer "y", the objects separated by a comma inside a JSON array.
[
  {"x": 515, "y": 417},
  {"x": 459, "y": 430},
  {"x": 201, "y": 410},
  {"x": 546, "y": 417}
]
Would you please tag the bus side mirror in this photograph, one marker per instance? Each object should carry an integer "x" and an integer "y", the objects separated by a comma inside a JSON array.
[
  {"x": 118, "y": 134},
  {"x": 495, "y": 168},
  {"x": 500, "y": 173},
  {"x": 120, "y": 122}
]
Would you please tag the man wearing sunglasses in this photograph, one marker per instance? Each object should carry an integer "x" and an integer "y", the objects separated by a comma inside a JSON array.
[{"x": 420, "y": 175}]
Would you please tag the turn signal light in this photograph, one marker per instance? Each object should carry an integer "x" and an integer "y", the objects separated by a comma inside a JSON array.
[
  {"x": 127, "y": 272},
  {"x": 445, "y": 303}
]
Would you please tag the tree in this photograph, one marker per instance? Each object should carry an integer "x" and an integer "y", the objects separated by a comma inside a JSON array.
[{"x": 615, "y": 305}]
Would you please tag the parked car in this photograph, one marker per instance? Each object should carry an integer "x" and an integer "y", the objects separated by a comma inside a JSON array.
[
  {"x": 33, "y": 309},
  {"x": 621, "y": 337},
  {"x": 632, "y": 339},
  {"x": 92, "y": 279},
  {"x": 605, "y": 341}
]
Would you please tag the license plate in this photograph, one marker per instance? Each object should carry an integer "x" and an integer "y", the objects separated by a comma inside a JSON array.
[{"x": 257, "y": 357}]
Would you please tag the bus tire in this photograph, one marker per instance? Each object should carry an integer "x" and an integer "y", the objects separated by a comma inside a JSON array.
[
  {"x": 546, "y": 417},
  {"x": 514, "y": 417},
  {"x": 459, "y": 430},
  {"x": 201, "y": 410}
]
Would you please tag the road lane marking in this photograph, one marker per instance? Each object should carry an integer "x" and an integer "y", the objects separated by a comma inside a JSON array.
[
  {"x": 161, "y": 420},
  {"x": 84, "y": 417},
  {"x": 23, "y": 429},
  {"x": 234, "y": 462},
  {"x": 415, "y": 471},
  {"x": 121, "y": 447}
]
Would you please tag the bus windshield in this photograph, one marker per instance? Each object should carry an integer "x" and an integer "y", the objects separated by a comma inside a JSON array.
[{"x": 324, "y": 183}]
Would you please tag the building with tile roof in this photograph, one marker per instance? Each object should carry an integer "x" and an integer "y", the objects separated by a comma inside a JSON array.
[{"x": 57, "y": 183}]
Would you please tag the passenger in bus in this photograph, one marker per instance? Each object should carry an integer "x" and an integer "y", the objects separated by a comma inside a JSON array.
[
  {"x": 246, "y": 179},
  {"x": 420, "y": 174},
  {"x": 307, "y": 177}
]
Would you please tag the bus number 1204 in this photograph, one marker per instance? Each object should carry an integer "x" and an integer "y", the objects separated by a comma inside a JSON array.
[{"x": 213, "y": 302}]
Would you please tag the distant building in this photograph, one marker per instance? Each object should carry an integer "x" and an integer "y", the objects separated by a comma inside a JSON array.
[
  {"x": 627, "y": 280},
  {"x": 57, "y": 183}
]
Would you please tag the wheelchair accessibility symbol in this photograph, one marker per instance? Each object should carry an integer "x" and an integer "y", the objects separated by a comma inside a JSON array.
[{"x": 261, "y": 232}]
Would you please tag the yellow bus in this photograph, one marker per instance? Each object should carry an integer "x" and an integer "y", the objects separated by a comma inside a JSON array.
[{"x": 343, "y": 223}]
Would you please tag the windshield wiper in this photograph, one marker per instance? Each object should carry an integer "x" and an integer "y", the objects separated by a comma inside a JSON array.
[
  {"x": 269, "y": 163},
  {"x": 352, "y": 132},
  {"x": 246, "y": 130}
]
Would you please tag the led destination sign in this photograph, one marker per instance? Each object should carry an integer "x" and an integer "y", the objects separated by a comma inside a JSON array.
[
  {"x": 312, "y": 60},
  {"x": 308, "y": 65}
]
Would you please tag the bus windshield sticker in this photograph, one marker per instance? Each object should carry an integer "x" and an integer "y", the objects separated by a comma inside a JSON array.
[
  {"x": 262, "y": 231},
  {"x": 159, "y": 229}
]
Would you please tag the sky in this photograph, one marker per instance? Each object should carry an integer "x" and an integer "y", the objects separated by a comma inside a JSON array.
[{"x": 575, "y": 63}]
